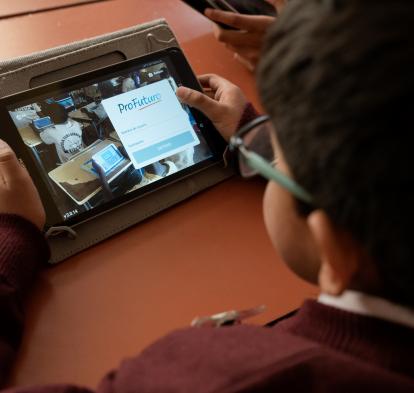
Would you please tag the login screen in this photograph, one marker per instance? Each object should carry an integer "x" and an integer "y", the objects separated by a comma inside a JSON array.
[{"x": 151, "y": 123}]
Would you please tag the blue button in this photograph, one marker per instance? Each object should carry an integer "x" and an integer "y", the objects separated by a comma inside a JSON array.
[{"x": 163, "y": 147}]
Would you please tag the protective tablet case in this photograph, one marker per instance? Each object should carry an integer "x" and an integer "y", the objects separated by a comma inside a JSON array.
[{"x": 58, "y": 63}]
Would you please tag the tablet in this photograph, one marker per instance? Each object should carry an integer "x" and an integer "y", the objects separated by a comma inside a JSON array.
[
  {"x": 40, "y": 124},
  {"x": 125, "y": 119},
  {"x": 108, "y": 158}
]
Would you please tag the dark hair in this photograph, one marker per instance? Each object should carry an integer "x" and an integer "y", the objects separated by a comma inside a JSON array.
[
  {"x": 57, "y": 112},
  {"x": 337, "y": 79},
  {"x": 106, "y": 89}
]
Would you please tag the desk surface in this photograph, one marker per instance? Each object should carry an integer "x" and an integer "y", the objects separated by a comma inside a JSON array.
[
  {"x": 30, "y": 137},
  {"x": 79, "y": 184},
  {"x": 203, "y": 256},
  {"x": 10, "y": 9}
]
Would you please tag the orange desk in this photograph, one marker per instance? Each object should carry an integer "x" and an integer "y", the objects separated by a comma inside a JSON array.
[
  {"x": 203, "y": 256},
  {"x": 10, "y": 9}
]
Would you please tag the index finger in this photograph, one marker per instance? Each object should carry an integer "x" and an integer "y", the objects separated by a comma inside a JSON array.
[
  {"x": 198, "y": 100},
  {"x": 8, "y": 159},
  {"x": 254, "y": 23},
  {"x": 10, "y": 167},
  {"x": 212, "y": 80}
]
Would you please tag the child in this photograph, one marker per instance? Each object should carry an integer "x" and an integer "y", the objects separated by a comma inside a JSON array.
[
  {"x": 336, "y": 79},
  {"x": 65, "y": 134}
]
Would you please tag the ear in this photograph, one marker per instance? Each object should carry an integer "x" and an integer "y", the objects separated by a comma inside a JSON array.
[{"x": 338, "y": 253}]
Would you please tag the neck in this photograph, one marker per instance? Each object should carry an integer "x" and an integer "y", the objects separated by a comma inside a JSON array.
[{"x": 367, "y": 304}]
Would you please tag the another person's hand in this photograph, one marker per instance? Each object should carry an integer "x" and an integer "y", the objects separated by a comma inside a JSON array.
[
  {"x": 18, "y": 195},
  {"x": 106, "y": 188},
  {"x": 246, "y": 42},
  {"x": 223, "y": 102}
]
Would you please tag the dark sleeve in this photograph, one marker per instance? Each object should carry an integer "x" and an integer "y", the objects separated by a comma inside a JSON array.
[
  {"x": 23, "y": 249},
  {"x": 248, "y": 115}
]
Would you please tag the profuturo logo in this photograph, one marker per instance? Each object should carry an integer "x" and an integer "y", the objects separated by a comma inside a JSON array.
[{"x": 139, "y": 103}]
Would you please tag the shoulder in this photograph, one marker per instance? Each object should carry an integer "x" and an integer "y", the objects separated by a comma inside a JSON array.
[
  {"x": 72, "y": 124},
  {"x": 206, "y": 359},
  {"x": 48, "y": 130},
  {"x": 249, "y": 358},
  {"x": 227, "y": 340},
  {"x": 47, "y": 133}
]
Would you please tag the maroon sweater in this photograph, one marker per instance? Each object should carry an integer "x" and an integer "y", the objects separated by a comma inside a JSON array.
[{"x": 320, "y": 349}]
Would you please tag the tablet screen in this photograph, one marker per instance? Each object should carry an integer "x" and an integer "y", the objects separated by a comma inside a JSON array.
[
  {"x": 107, "y": 158},
  {"x": 102, "y": 139}
]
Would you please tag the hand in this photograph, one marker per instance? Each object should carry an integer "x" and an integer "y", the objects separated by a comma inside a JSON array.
[
  {"x": 247, "y": 41},
  {"x": 18, "y": 195},
  {"x": 106, "y": 188},
  {"x": 223, "y": 102}
]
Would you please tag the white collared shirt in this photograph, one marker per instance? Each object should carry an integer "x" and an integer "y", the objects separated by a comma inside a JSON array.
[{"x": 361, "y": 303}]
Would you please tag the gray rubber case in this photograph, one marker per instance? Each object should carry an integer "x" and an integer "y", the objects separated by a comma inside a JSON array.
[{"x": 62, "y": 62}]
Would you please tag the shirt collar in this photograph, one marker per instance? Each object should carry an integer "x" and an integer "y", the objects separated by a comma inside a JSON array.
[{"x": 361, "y": 303}]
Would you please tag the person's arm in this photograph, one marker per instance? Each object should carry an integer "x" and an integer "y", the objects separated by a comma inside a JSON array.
[
  {"x": 22, "y": 252},
  {"x": 46, "y": 137},
  {"x": 106, "y": 188},
  {"x": 22, "y": 249}
]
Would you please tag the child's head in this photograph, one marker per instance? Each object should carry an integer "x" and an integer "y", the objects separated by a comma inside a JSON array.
[
  {"x": 337, "y": 79},
  {"x": 56, "y": 112}
]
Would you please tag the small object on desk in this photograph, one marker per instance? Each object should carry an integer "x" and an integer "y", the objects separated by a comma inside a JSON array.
[
  {"x": 38, "y": 125},
  {"x": 227, "y": 318},
  {"x": 60, "y": 230},
  {"x": 108, "y": 158}
]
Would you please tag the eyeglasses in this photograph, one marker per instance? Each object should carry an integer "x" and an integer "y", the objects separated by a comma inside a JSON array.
[{"x": 257, "y": 156}]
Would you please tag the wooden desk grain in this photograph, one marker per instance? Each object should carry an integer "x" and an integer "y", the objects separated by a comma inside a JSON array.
[{"x": 16, "y": 8}]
